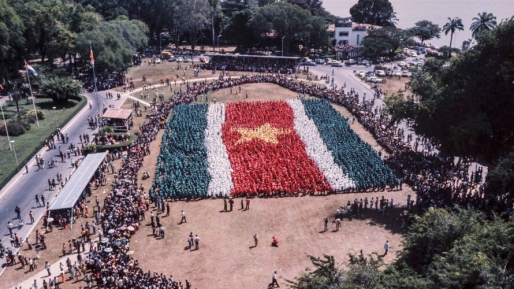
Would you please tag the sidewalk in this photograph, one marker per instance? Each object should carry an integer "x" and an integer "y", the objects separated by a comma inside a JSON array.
[{"x": 41, "y": 273}]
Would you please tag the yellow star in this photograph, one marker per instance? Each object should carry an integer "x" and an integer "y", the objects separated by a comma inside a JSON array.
[{"x": 265, "y": 132}]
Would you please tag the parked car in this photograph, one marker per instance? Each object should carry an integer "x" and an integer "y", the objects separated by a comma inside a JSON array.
[
  {"x": 380, "y": 73},
  {"x": 336, "y": 64},
  {"x": 308, "y": 63},
  {"x": 397, "y": 73},
  {"x": 171, "y": 59},
  {"x": 319, "y": 61},
  {"x": 405, "y": 73},
  {"x": 361, "y": 73},
  {"x": 380, "y": 67},
  {"x": 157, "y": 61},
  {"x": 180, "y": 59}
]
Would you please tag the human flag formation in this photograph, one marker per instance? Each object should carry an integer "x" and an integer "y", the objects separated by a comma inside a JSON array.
[
  {"x": 30, "y": 69},
  {"x": 92, "y": 57},
  {"x": 287, "y": 147}
]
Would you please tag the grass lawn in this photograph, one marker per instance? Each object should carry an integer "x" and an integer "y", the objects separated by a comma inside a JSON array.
[{"x": 30, "y": 142}]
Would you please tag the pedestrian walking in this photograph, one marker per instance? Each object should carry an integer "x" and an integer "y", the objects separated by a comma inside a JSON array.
[
  {"x": 183, "y": 220},
  {"x": 10, "y": 226},
  {"x": 386, "y": 247},
  {"x": 47, "y": 267},
  {"x": 225, "y": 205},
  {"x": 34, "y": 285},
  {"x": 167, "y": 209},
  {"x": 26, "y": 169},
  {"x": 325, "y": 224},
  {"x": 242, "y": 204},
  {"x": 37, "y": 201},
  {"x": 256, "y": 239},
  {"x": 42, "y": 199},
  {"x": 274, "y": 279},
  {"x": 31, "y": 217},
  {"x": 247, "y": 204}
]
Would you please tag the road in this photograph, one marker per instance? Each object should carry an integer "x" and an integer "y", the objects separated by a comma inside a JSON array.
[{"x": 22, "y": 188}]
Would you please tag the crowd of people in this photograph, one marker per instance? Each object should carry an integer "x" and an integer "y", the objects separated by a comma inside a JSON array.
[
  {"x": 439, "y": 181},
  {"x": 254, "y": 64}
]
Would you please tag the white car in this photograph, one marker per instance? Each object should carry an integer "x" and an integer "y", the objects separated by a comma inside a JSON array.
[
  {"x": 180, "y": 59},
  {"x": 157, "y": 61},
  {"x": 380, "y": 73},
  {"x": 397, "y": 73}
]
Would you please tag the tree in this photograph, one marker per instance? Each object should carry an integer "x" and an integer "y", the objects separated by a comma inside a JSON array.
[
  {"x": 12, "y": 40},
  {"x": 451, "y": 26},
  {"x": 375, "y": 12},
  {"x": 463, "y": 107},
  {"x": 426, "y": 30},
  {"x": 214, "y": 4},
  {"x": 195, "y": 19},
  {"x": 325, "y": 275},
  {"x": 500, "y": 181},
  {"x": 385, "y": 41},
  {"x": 60, "y": 89},
  {"x": 484, "y": 22}
]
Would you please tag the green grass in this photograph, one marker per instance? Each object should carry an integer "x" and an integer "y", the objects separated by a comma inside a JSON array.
[{"x": 28, "y": 144}]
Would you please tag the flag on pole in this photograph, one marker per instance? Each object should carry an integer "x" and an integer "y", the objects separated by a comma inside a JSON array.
[
  {"x": 30, "y": 69},
  {"x": 92, "y": 58}
]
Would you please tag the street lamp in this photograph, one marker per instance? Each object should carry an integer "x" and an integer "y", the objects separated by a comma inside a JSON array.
[
  {"x": 283, "y": 45},
  {"x": 219, "y": 42},
  {"x": 5, "y": 125},
  {"x": 14, "y": 149},
  {"x": 55, "y": 117}
]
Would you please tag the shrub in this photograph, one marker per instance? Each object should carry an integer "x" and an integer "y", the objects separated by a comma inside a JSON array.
[
  {"x": 107, "y": 129},
  {"x": 89, "y": 149},
  {"x": 25, "y": 124},
  {"x": 15, "y": 129},
  {"x": 40, "y": 114}
]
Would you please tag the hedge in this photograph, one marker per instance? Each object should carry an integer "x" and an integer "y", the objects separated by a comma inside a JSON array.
[{"x": 102, "y": 148}]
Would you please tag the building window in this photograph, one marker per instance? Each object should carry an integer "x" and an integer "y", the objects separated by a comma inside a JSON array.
[
  {"x": 358, "y": 39},
  {"x": 343, "y": 33}
]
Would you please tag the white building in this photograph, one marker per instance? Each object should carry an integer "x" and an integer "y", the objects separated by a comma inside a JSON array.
[{"x": 347, "y": 32}]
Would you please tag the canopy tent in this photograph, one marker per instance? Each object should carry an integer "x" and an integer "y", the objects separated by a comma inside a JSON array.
[
  {"x": 119, "y": 119},
  {"x": 73, "y": 189}
]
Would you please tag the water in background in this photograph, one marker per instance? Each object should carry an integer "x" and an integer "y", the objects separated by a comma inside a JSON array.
[{"x": 437, "y": 11}]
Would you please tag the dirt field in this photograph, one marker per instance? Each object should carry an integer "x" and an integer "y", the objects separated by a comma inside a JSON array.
[{"x": 226, "y": 258}]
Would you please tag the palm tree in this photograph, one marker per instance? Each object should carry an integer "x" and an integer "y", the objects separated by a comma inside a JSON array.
[
  {"x": 452, "y": 25},
  {"x": 214, "y": 10},
  {"x": 484, "y": 22}
]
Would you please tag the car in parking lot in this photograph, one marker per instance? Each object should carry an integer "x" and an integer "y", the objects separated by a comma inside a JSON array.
[
  {"x": 397, "y": 73},
  {"x": 180, "y": 59},
  {"x": 406, "y": 73},
  {"x": 171, "y": 59},
  {"x": 336, "y": 64},
  {"x": 187, "y": 59},
  {"x": 319, "y": 61},
  {"x": 157, "y": 61},
  {"x": 380, "y": 73}
]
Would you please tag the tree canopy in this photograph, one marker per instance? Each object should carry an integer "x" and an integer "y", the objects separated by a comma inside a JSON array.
[
  {"x": 464, "y": 107},
  {"x": 442, "y": 249},
  {"x": 375, "y": 12},
  {"x": 426, "y": 30}
]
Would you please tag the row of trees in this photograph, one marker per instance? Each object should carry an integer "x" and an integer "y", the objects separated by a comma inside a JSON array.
[{"x": 389, "y": 38}]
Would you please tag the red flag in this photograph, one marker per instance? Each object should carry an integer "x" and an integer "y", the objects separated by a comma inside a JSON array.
[
  {"x": 92, "y": 57},
  {"x": 265, "y": 152}
]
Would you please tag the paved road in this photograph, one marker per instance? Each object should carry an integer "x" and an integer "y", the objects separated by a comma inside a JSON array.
[{"x": 22, "y": 188}]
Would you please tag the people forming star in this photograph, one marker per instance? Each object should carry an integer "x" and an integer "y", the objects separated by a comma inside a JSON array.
[{"x": 265, "y": 132}]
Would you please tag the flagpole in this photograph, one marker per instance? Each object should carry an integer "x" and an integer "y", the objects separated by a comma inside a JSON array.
[
  {"x": 31, "y": 95},
  {"x": 5, "y": 124},
  {"x": 94, "y": 80}
]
